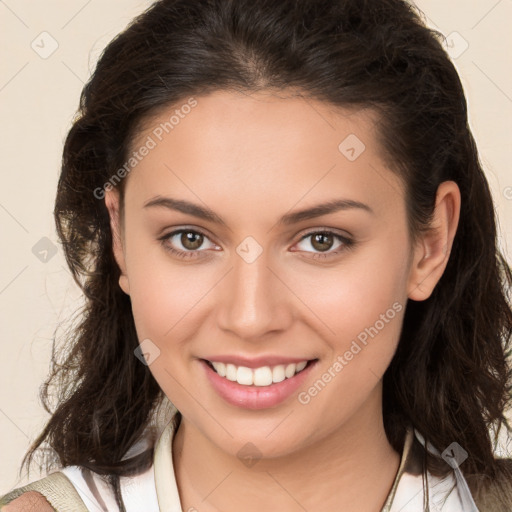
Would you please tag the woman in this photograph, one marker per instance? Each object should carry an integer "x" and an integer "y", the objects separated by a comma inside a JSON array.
[{"x": 277, "y": 214}]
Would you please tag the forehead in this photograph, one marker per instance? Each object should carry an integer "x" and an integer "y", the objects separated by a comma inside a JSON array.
[
  {"x": 222, "y": 117},
  {"x": 260, "y": 150}
]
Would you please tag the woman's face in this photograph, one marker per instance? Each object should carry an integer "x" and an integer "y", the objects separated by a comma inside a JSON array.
[{"x": 253, "y": 282}]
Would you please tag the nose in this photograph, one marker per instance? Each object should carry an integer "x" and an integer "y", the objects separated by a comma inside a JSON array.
[{"x": 254, "y": 299}]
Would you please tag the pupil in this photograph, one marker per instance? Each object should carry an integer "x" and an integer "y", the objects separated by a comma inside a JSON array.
[
  {"x": 187, "y": 239},
  {"x": 321, "y": 237}
]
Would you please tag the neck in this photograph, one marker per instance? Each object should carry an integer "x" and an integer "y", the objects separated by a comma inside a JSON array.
[{"x": 352, "y": 469}]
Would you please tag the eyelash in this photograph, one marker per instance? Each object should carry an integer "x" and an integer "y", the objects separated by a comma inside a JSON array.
[{"x": 347, "y": 243}]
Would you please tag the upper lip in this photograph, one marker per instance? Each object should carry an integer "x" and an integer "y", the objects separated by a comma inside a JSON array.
[{"x": 256, "y": 362}]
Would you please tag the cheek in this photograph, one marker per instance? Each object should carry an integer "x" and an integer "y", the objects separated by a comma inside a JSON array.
[
  {"x": 165, "y": 300},
  {"x": 362, "y": 303},
  {"x": 165, "y": 297},
  {"x": 353, "y": 296}
]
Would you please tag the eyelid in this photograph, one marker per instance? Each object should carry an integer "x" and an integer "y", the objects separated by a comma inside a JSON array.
[
  {"x": 167, "y": 231},
  {"x": 323, "y": 229}
]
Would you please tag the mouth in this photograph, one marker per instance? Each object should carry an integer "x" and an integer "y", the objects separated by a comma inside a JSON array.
[
  {"x": 257, "y": 388},
  {"x": 262, "y": 376}
]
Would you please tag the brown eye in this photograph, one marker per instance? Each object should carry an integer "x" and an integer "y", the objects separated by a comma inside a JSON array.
[
  {"x": 322, "y": 241},
  {"x": 186, "y": 243},
  {"x": 191, "y": 240}
]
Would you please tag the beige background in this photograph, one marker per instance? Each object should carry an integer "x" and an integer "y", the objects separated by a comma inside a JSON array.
[{"x": 38, "y": 98}]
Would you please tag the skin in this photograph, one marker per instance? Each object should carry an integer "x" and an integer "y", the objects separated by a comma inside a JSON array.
[
  {"x": 251, "y": 158},
  {"x": 29, "y": 501}
]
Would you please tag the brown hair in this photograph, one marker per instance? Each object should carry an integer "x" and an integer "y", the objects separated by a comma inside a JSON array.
[{"x": 449, "y": 377}]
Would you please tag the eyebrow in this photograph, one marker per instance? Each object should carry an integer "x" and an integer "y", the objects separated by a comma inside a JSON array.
[{"x": 205, "y": 213}]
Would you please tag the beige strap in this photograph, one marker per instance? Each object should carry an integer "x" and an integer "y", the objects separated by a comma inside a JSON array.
[
  {"x": 409, "y": 437},
  {"x": 56, "y": 488},
  {"x": 165, "y": 478}
]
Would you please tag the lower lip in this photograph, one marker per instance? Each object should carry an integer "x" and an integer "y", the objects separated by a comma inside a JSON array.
[{"x": 256, "y": 397}]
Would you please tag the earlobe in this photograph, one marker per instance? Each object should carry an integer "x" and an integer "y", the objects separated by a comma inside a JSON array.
[
  {"x": 432, "y": 251},
  {"x": 112, "y": 204}
]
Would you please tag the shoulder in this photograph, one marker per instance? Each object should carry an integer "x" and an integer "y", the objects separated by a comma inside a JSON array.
[
  {"x": 54, "y": 491},
  {"x": 27, "y": 502}
]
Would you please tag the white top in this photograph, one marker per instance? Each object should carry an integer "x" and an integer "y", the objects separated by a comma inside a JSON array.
[{"x": 156, "y": 489}]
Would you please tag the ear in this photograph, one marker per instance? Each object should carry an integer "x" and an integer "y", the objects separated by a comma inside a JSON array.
[
  {"x": 432, "y": 251},
  {"x": 112, "y": 204}
]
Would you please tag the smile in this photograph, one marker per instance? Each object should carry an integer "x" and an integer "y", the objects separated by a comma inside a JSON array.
[
  {"x": 260, "y": 387},
  {"x": 263, "y": 376}
]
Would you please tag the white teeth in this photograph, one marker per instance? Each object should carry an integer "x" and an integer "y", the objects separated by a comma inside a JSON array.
[
  {"x": 231, "y": 372},
  {"x": 244, "y": 376},
  {"x": 289, "y": 371},
  {"x": 278, "y": 373},
  {"x": 263, "y": 376},
  {"x": 220, "y": 368},
  {"x": 301, "y": 366}
]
